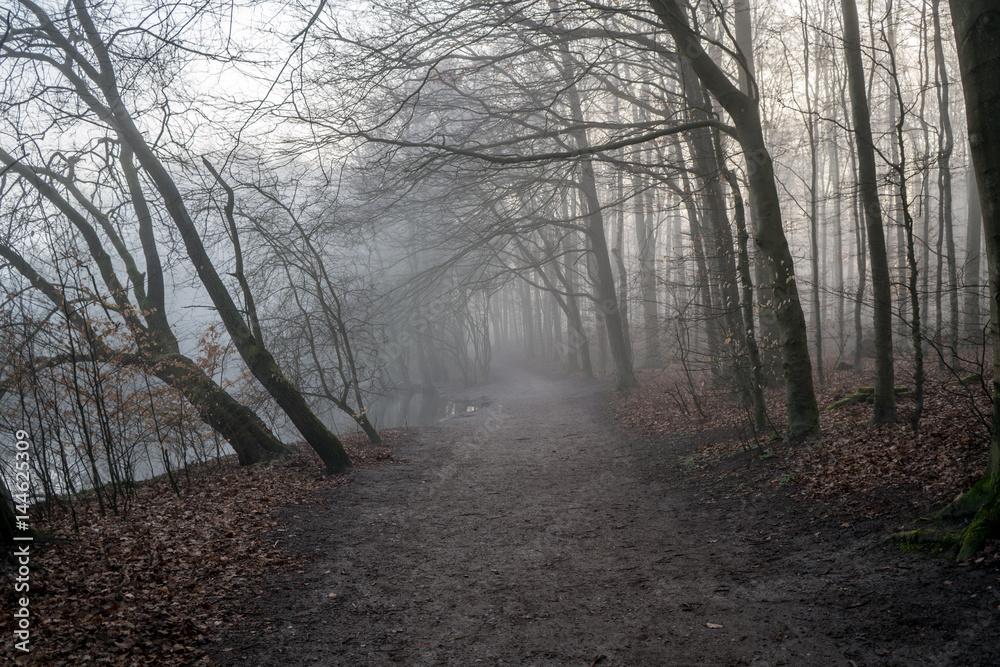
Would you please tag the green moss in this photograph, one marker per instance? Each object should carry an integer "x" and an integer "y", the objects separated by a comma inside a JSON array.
[
  {"x": 968, "y": 503},
  {"x": 975, "y": 378},
  {"x": 847, "y": 400},
  {"x": 984, "y": 525},
  {"x": 933, "y": 540},
  {"x": 867, "y": 395}
]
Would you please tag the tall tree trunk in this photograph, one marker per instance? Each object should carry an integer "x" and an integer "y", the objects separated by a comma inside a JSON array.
[
  {"x": 838, "y": 243},
  {"x": 578, "y": 343},
  {"x": 817, "y": 312},
  {"x": 884, "y": 407},
  {"x": 893, "y": 215},
  {"x": 925, "y": 159},
  {"x": 527, "y": 321},
  {"x": 607, "y": 297},
  {"x": 800, "y": 396},
  {"x": 977, "y": 34},
  {"x": 946, "y": 146},
  {"x": 860, "y": 246},
  {"x": 911, "y": 258},
  {"x": 646, "y": 244},
  {"x": 973, "y": 258},
  {"x": 718, "y": 239},
  {"x": 619, "y": 255},
  {"x": 703, "y": 283},
  {"x": 758, "y": 405}
]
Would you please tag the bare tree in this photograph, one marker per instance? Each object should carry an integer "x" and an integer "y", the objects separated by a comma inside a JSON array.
[
  {"x": 800, "y": 397},
  {"x": 884, "y": 406},
  {"x": 72, "y": 48}
]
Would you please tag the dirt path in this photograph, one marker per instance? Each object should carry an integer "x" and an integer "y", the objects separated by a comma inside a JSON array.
[{"x": 527, "y": 533}]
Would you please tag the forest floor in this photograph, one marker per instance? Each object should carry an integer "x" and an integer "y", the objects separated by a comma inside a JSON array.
[
  {"x": 535, "y": 531},
  {"x": 557, "y": 523}
]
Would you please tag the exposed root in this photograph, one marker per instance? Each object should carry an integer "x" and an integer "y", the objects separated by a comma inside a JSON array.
[
  {"x": 945, "y": 539},
  {"x": 867, "y": 395},
  {"x": 984, "y": 526},
  {"x": 967, "y": 504},
  {"x": 969, "y": 540}
]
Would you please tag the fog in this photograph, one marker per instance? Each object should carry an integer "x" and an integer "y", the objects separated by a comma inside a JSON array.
[{"x": 271, "y": 221}]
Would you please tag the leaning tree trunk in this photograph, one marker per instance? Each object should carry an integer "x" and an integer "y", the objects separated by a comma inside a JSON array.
[
  {"x": 251, "y": 348},
  {"x": 884, "y": 406},
  {"x": 249, "y": 437}
]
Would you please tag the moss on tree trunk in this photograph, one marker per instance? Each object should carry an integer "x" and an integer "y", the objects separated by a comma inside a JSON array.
[{"x": 977, "y": 36}]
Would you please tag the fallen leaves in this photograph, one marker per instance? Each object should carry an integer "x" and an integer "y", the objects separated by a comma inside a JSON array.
[
  {"x": 156, "y": 585},
  {"x": 868, "y": 469}
]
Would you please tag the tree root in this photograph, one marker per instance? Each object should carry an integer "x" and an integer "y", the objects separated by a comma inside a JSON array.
[
  {"x": 867, "y": 395},
  {"x": 968, "y": 540},
  {"x": 945, "y": 539},
  {"x": 984, "y": 525},
  {"x": 968, "y": 504}
]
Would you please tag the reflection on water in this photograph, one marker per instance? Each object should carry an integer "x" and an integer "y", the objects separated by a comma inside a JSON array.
[{"x": 417, "y": 407}]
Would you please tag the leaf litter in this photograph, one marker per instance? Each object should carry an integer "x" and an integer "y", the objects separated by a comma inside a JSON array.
[
  {"x": 162, "y": 583},
  {"x": 854, "y": 470}
]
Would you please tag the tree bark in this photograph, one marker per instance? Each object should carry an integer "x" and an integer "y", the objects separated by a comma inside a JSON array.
[
  {"x": 946, "y": 146},
  {"x": 260, "y": 362},
  {"x": 884, "y": 406},
  {"x": 973, "y": 258},
  {"x": 245, "y": 431},
  {"x": 977, "y": 34},
  {"x": 800, "y": 396}
]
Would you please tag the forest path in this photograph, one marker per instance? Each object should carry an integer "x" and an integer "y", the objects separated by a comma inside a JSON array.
[{"x": 525, "y": 533}]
